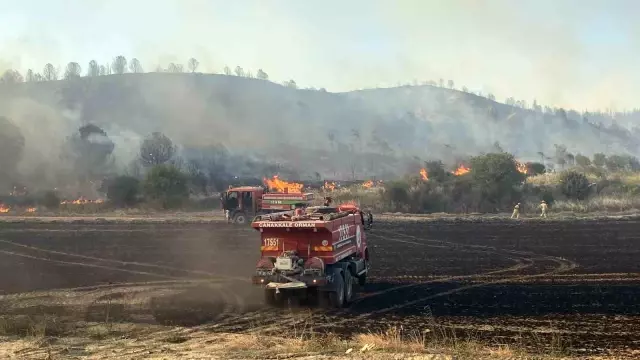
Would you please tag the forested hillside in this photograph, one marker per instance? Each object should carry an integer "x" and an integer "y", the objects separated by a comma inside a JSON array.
[{"x": 257, "y": 126}]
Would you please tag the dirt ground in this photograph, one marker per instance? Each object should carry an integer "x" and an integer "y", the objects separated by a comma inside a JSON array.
[{"x": 571, "y": 287}]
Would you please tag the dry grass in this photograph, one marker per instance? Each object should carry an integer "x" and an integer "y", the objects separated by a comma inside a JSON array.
[
  {"x": 32, "y": 326},
  {"x": 598, "y": 204},
  {"x": 366, "y": 198},
  {"x": 627, "y": 178},
  {"x": 553, "y": 179},
  {"x": 130, "y": 341},
  {"x": 392, "y": 340}
]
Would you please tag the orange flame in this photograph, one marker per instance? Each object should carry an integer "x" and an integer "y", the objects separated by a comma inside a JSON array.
[
  {"x": 81, "y": 201},
  {"x": 31, "y": 210},
  {"x": 423, "y": 174},
  {"x": 329, "y": 185},
  {"x": 522, "y": 167},
  {"x": 4, "y": 209},
  {"x": 461, "y": 170},
  {"x": 367, "y": 184},
  {"x": 280, "y": 185}
]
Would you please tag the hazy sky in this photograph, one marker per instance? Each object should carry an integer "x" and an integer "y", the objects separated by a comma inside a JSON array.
[{"x": 581, "y": 54}]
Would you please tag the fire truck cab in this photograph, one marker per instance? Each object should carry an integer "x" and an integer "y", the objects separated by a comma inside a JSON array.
[
  {"x": 320, "y": 254},
  {"x": 243, "y": 203}
]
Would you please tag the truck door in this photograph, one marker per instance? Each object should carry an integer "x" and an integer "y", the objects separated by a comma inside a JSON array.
[{"x": 247, "y": 201}]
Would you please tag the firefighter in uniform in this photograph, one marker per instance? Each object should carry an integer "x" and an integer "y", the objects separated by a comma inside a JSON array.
[
  {"x": 327, "y": 201},
  {"x": 543, "y": 207},
  {"x": 298, "y": 212},
  {"x": 516, "y": 212}
]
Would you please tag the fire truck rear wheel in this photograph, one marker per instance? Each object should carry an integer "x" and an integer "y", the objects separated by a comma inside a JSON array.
[
  {"x": 362, "y": 279},
  {"x": 348, "y": 287},
  {"x": 336, "y": 298}
]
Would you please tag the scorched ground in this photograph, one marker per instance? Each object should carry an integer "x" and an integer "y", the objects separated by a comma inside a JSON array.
[{"x": 572, "y": 283}]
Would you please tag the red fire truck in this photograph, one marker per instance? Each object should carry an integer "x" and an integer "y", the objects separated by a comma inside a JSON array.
[
  {"x": 243, "y": 203},
  {"x": 320, "y": 254}
]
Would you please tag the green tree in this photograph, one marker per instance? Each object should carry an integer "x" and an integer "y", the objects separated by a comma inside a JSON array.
[
  {"x": 436, "y": 171},
  {"x": 123, "y": 191},
  {"x": 11, "y": 148},
  {"x": 574, "y": 185},
  {"x": 634, "y": 164},
  {"x": 193, "y": 65},
  {"x": 561, "y": 155},
  {"x": 50, "y": 73},
  {"x": 495, "y": 176},
  {"x": 30, "y": 76},
  {"x": 535, "y": 168},
  {"x": 582, "y": 160},
  {"x": 617, "y": 163},
  {"x": 11, "y": 77},
  {"x": 94, "y": 69},
  {"x": 119, "y": 65},
  {"x": 72, "y": 70},
  {"x": 166, "y": 186},
  {"x": 599, "y": 159},
  {"x": 51, "y": 200},
  {"x": 262, "y": 75},
  {"x": 396, "y": 194},
  {"x": 135, "y": 66},
  {"x": 90, "y": 150},
  {"x": 291, "y": 84},
  {"x": 156, "y": 149}
]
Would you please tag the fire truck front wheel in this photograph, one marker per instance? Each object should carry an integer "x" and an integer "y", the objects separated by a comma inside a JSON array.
[{"x": 240, "y": 219}]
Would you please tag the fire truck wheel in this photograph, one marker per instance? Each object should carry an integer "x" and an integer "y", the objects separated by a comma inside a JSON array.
[
  {"x": 336, "y": 298},
  {"x": 348, "y": 287},
  {"x": 362, "y": 279},
  {"x": 240, "y": 219}
]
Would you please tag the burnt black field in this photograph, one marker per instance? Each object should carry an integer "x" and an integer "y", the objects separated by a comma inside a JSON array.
[{"x": 532, "y": 283}]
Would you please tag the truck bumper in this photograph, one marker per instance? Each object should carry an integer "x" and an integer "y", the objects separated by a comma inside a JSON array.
[{"x": 278, "y": 282}]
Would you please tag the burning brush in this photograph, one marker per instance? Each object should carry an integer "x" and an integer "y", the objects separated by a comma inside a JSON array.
[
  {"x": 275, "y": 184},
  {"x": 423, "y": 174},
  {"x": 461, "y": 170},
  {"x": 81, "y": 201},
  {"x": 329, "y": 186}
]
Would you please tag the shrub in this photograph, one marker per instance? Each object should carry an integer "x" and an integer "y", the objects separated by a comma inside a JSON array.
[
  {"x": 535, "y": 168},
  {"x": 599, "y": 159},
  {"x": 574, "y": 185},
  {"x": 582, "y": 161},
  {"x": 50, "y": 200},
  {"x": 123, "y": 191},
  {"x": 396, "y": 194},
  {"x": 495, "y": 177},
  {"x": 436, "y": 171},
  {"x": 166, "y": 186},
  {"x": 430, "y": 197}
]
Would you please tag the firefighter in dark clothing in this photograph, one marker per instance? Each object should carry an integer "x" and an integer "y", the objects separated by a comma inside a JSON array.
[{"x": 327, "y": 201}]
